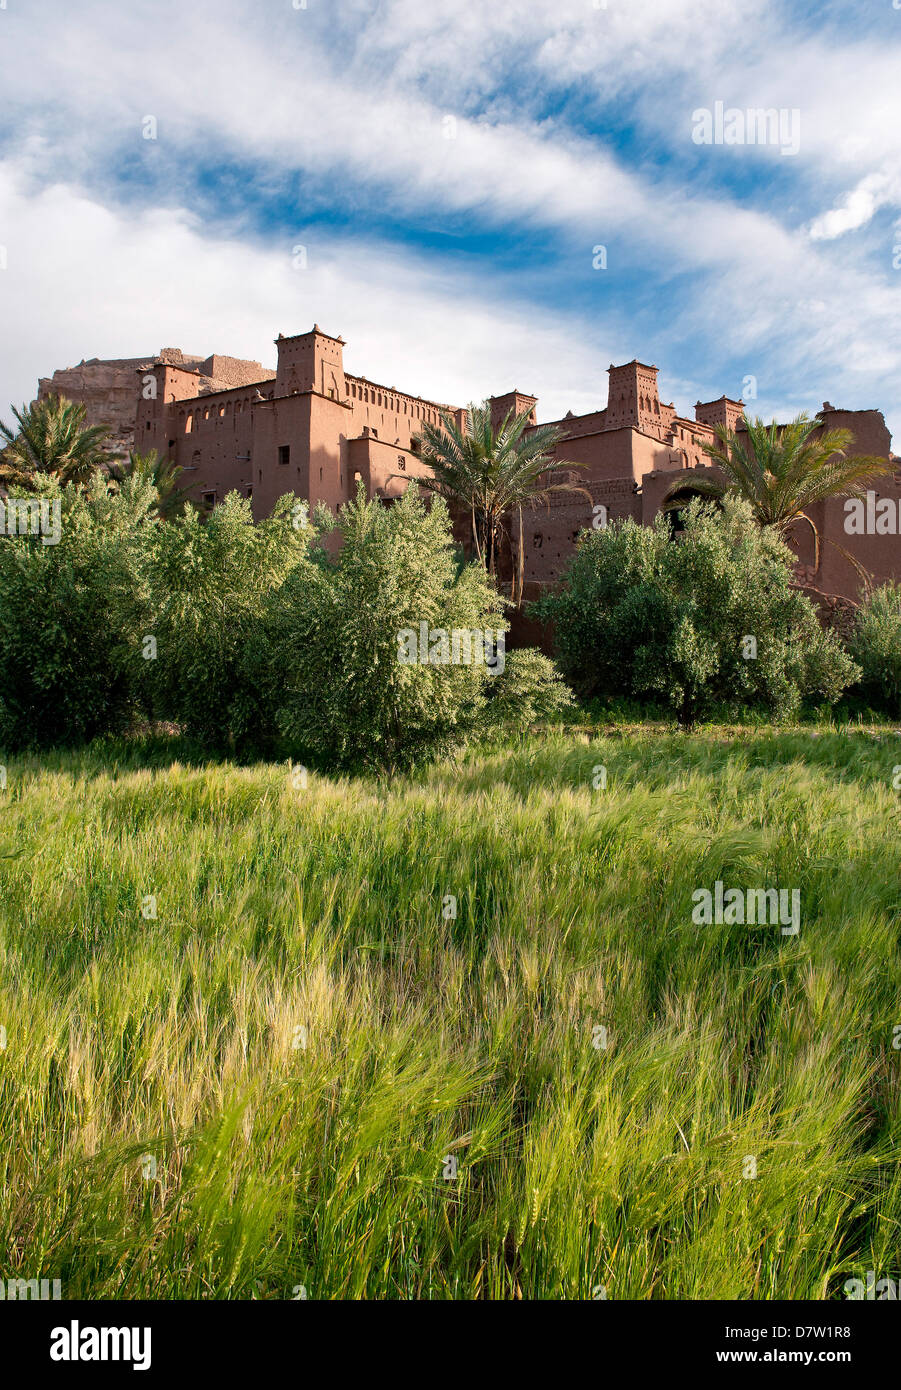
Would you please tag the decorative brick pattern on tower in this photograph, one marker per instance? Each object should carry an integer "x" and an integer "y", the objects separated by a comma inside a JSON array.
[
  {"x": 633, "y": 400},
  {"x": 723, "y": 413},
  {"x": 311, "y": 362},
  {"x": 515, "y": 401}
]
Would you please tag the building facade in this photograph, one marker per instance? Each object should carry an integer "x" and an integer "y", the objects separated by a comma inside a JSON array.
[
  {"x": 309, "y": 428},
  {"x": 313, "y": 429},
  {"x": 633, "y": 450}
]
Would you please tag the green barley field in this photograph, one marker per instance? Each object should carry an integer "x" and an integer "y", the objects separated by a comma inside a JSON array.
[{"x": 305, "y": 1076}]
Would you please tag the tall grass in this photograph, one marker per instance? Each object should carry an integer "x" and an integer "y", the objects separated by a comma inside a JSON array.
[{"x": 260, "y": 1088}]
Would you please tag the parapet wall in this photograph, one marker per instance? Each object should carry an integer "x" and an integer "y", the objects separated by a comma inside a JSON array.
[{"x": 227, "y": 372}]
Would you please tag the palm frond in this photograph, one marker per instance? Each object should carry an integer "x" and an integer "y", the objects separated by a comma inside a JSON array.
[
  {"x": 490, "y": 472},
  {"x": 51, "y": 437},
  {"x": 783, "y": 470}
]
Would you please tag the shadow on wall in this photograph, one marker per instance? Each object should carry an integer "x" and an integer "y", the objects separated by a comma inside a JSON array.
[{"x": 525, "y": 631}]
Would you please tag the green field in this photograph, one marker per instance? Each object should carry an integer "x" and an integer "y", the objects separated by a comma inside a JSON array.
[{"x": 260, "y": 1087}]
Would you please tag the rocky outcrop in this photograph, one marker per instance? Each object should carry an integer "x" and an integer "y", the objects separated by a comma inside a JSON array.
[{"x": 108, "y": 390}]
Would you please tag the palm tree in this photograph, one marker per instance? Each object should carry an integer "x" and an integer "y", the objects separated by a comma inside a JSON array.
[
  {"x": 490, "y": 473},
  {"x": 52, "y": 438},
  {"x": 162, "y": 473},
  {"x": 782, "y": 470}
]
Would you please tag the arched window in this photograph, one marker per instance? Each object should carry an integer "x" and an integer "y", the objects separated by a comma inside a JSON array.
[{"x": 675, "y": 505}]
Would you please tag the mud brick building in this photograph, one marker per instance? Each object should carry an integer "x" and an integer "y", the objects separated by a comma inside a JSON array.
[
  {"x": 312, "y": 428},
  {"x": 309, "y": 427},
  {"x": 632, "y": 449}
]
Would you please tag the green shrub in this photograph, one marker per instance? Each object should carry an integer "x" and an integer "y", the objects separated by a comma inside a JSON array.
[
  {"x": 529, "y": 689},
  {"x": 339, "y": 645},
  {"x": 71, "y": 615},
  {"x": 209, "y": 582},
  {"x": 639, "y": 613},
  {"x": 875, "y": 645}
]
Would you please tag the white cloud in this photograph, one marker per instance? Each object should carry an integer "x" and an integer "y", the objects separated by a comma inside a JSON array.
[
  {"x": 83, "y": 280},
  {"x": 88, "y": 280},
  {"x": 355, "y": 96},
  {"x": 856, "y": 208}
]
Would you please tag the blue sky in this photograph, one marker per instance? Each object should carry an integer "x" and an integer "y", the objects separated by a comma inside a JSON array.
[{"x": 449, "y": 168}]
